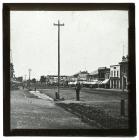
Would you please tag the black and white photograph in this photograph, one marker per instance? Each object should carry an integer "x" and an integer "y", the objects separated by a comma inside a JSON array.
[{"x": 71, "y": 69}]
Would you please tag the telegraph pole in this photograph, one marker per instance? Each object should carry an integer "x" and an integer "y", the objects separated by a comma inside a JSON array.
[
  {"x": 123, "y": 49},
  {"x": 58, "y": 24},
  {"x": 122, "y": 99}
]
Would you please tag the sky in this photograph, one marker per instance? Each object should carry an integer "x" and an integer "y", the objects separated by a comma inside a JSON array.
[{"x": 88, "y": 40}]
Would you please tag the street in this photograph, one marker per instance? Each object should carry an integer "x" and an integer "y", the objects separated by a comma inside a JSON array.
[
  {"x": 87, "y": 94},
  {"x": 108, "y": 100},
  {"x": 80, "y": 77},
  {"x": 32, "y": 113}
]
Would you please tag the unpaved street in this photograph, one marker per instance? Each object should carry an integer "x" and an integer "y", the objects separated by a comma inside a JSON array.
[{"x": 32, "y": 113}]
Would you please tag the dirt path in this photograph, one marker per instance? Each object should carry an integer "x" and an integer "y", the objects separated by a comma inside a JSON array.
[{"x": 33, "y": 113}]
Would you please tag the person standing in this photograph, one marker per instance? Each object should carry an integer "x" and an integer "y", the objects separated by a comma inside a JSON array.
[
  {"x": 23, "y": 85},
  {"x": 78, "y": 88}
]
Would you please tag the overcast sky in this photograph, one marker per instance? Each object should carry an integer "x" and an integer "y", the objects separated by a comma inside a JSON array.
[{"x": 89, "y": 39}]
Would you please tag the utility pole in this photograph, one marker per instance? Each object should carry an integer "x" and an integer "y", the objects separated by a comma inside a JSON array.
[
  {"x": 122, "y": 94},
  {"x": 123, "y": 49},
  {"x": 58, "y": 24},
  {"x": 29, "y": 70},
  {"x": 122, "y": 99}
]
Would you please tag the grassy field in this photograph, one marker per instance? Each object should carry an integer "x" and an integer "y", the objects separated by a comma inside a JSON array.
[
  {"x": 98, "y": 113},
  {"x": 102, "y": 107}
]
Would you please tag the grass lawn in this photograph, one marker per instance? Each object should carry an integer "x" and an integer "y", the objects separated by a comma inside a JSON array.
[
  {"x": 98, "y": 113},
  {"x": 104, "y": 108}
]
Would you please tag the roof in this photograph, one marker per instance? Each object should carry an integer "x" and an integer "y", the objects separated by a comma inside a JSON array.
[
  {"x": 114, "y": 65},
  {"x": 94, "y": 72},
  {"x": 80, "y": 72},
  {"x": 99, "y": 82},
  {"x": 83, "y": 72},
  {"x": 123, "y": 62},
  {"x": 57, "y": 75},
  {"x": 101, "y": 68}
]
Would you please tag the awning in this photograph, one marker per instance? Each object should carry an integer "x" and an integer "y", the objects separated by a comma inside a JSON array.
[
  {"x": 99, "y": 82},
  {"x": 93, "y": 83},
  {"x": 87, "y": 83},
  {"x": 105, "y": 81},
  {"x": 72, "y": 83}
]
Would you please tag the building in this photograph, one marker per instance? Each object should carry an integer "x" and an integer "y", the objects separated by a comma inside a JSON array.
[
  {"x": 103, "y": 73},
  {"x": 100, "y": 77},
  {"x": 107, "y": 74},
  {"x": 53, "y": 79},
  {"x": 100, "y": 74},
  {"x": 115, "y": 76},
  {"x": 81, "y": 76},
  {"x": 72, "y": 78},
  {"x": 19, "y": 79},
  {"x": 92, "y": 76},
  {"x": 104, "y": 77},
  {"x": 124, "y": 73}
]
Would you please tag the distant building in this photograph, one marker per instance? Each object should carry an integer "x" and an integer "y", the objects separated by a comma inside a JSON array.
[
  {"x": 53, "y": 79},
  {"x": 100, "y": 74},
  {"x": 81, "y": 76},
  {"x": 103, "y": 73},
  {"x": 100, "y": 77},
  {"x": 124, "y": 73},
  {"x": 72, "y": 78},
  {"x": 92, "y": 76},
  {"x": 115, "y": 76},
  {"x": 19, "y": 79},
  {"x": 104, "y": 77},
  {"x": 107, "y": 74}
]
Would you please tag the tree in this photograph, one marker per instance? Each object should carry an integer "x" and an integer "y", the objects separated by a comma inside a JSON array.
[
  {"x": 20, "y": 79},
  {"x": 33, "y": 80},
  {"x": 43, "y": 79},
  {"x": 11, "y": 70}
]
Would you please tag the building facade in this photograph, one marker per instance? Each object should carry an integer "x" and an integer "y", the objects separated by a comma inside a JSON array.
[
  {"x": 72, "y": 79},
  {"x": 53, "y": 79},
  {"x": 92, "y": 76},
  {"x": 115, "y": 76},
  {"x": 103, "y": 73},
  {"x": 124, "y": 73},
  {"x": 81, "y": 76},
  {"x": 100, "y": 74}
]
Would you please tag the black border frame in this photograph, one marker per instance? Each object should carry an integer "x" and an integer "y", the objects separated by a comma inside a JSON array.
[{"x": 131, "y": 131}]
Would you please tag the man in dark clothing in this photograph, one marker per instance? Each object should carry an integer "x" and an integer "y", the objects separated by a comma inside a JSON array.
[{"x": 78, "y": 88}]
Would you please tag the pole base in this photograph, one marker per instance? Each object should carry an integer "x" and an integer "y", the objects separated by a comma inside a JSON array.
[{"x": 122, "y": 107}]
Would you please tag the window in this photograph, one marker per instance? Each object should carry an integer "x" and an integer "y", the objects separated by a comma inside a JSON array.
[
  {"x": 124, "y": 69},
  {"x": 114, "y": 73},
  {"x": 111, "y": 73},
  {"x": 117, "y": 73}
]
